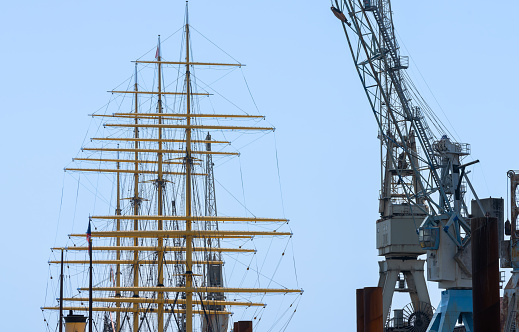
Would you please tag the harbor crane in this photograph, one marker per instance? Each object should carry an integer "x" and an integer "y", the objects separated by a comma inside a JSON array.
[{"x": 424, "y": 180}]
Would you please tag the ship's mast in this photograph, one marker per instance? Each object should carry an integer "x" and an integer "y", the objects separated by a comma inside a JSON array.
[
  {"x": 61, "y": 295},
  {"x": 136, "y": 205},
  {"x": 188, "y": 164},
  {"x": 90, "y": 281},
  {"x": 180, "y": 319},
  {"x": 118, "y": 241},
  {"x": 160, "y": 212}
]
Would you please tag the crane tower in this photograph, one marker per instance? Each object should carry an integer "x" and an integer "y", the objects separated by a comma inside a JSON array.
[{"x": 422, "y": 207}]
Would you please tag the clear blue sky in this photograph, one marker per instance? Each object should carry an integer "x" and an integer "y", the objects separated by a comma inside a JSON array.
[{"x": 59, "y": 57}]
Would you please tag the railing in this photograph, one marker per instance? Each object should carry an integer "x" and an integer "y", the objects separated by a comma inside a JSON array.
[
  {"x": 401, "y": 62},
  {"x": 464, "y": 148}
]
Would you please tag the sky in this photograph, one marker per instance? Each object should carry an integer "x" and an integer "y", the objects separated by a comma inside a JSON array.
[{"x": 60, "y": 57}]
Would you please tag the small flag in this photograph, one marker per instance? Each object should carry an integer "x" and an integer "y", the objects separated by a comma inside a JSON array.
[
  {"x": 89, "y": 237},
  {"x": 157, "y": 53}
]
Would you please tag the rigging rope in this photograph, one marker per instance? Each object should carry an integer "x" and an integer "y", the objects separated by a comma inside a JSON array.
[{"x": 60, "y": 206}]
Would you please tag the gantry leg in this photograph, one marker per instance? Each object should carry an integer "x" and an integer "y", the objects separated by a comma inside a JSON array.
[
  {"x": 454, "y": 303},
  {"x": 413, "y": 271},
  {"x": 468, "y": 321},
  {"x": 388, "y": 277},
  {"x": 417, "y": 286}
]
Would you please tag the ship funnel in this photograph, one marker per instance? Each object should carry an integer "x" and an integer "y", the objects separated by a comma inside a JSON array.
[{"x": 75, "y": 323}]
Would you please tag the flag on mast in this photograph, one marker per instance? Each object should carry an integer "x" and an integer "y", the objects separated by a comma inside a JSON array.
[
  {"x": 89, "y": 238},
  {"x": 157, "y": 53}
]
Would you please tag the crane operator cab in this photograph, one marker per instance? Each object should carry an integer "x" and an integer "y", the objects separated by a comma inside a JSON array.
[{"x": 429, "y": 236}]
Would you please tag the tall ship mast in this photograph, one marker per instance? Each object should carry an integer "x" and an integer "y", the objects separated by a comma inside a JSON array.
[{"x": 158, "y": 260}]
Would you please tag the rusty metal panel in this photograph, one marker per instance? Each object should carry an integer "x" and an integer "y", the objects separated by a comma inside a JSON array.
[
  {"x": 509, "y": 304},
  {"x": 373, "y": 320},
  {"x": 485, "y": 274},
  {"x": 360, "y": 310},
  {"x": 495, "y": 207},
  {"x": 243, "y": 326}
]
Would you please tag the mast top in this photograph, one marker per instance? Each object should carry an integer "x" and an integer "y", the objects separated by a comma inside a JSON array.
[{"x": 187, "y": 12}]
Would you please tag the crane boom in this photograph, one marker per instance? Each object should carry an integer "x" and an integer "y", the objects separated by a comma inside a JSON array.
[{"x": 376, "y": 55}]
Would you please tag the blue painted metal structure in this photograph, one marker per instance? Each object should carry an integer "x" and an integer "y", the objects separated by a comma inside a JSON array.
[{"x": 454, "y": 304}]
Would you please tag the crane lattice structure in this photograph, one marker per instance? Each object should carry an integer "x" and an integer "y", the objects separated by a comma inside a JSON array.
[{"x": 423, "y": 180}]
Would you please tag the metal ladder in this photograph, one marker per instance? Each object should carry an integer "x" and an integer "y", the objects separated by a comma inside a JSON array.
[
  {"x": 421, "y": 127},
  {"x": 385, "y": 35}
]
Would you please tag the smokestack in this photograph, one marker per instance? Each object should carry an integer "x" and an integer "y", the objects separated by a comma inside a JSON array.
[{"x": 75, "y": 323}]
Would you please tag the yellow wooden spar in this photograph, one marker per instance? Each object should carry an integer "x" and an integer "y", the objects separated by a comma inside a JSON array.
[
  {"x": 160, "y": 93},
  {"x": 143, "y": 248},
  {"x": 126, "y": 139},
  {"x": 182, "y": 233},
  {"x": 133, "y": 262},
  {"x": 192, "y": 218},
  {"x": 133, "y": 161},
  {"x": 160, "y": 151},
  {"x": 165, "y": 301},
  {"x": 128, "y": 161},
  {"x": 143, "y": 310},
  {"x": 115, "y": 170},
  {"x": 197, "y": 290},
  {"x": 187, "y": 126},
  {"x": 176, "y": 116},
  {"x": 189, "y": 63}
]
